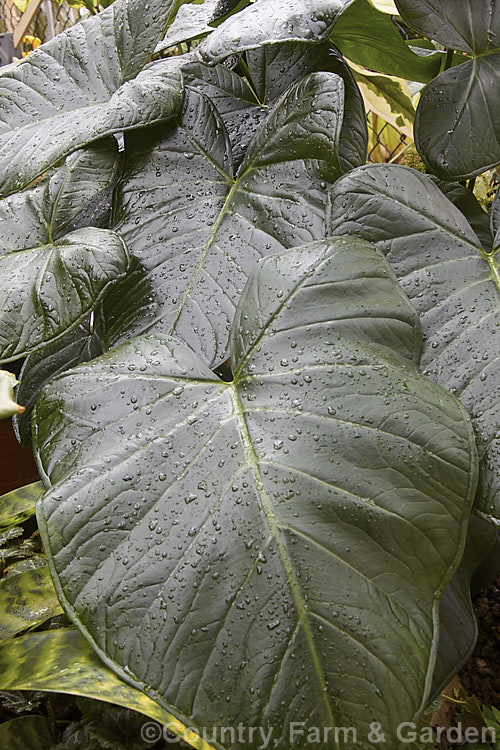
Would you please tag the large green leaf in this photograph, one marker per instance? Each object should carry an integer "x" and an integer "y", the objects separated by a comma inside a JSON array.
[
  {"x": 18, "y": 505},
  {"x": 87, "y": 82},
  {"x": 270, "y": 550},
  {"x": 26, "y": 600},
  {"x": 469, "y": 27},
  {"x": 47, "y": 290},
  {"x": 198, "y": 224},
  {"x": 62, "y": 661},
  {"x": 234, "y": 101},
  {"x": 47, "y": 210},
  {"x": 452, "y": 281},
  {"x": 274, "y": 68},
  {"x": 369, "y": 37},
  {"x": 266, "y": 22},
  {"x": 457, "y": 128}
]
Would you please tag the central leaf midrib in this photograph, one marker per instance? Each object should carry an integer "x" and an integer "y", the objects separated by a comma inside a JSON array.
[
  {"x": 301, "y": 611},
  {"x": 203, "y": 255}
]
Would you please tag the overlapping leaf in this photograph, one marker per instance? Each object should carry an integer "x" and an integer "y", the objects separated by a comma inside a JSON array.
[
  {"x": 81, "y": 344},
  {"x": 50, "y": 281},
  {"x": 267, "y": 550},
  {"x": 198, "y": 224},
  {"x": 455, "y": 23},
  {"x": 457, "y": 128},
  {"x": 85, "y": 83},
  {"x": 27, "y": 599},
  {"x": 454, "y": 284},
  {"x": 273, "y": 21},
  {"x": 50, "y": 208},
  {"x": 62, "y": 661},
  {"x": 274, "y": 68},
  {"x": 234, "y": 101},
  {"x": 368, "y": 36},
  {"x": 18, "y": 505},
  {"x": 46, "y": 291}
]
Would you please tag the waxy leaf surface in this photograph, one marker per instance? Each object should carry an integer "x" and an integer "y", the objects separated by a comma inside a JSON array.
[
  {"x": 87, "y": 82},
  {"x": 452, "y": 281},
  {"x": 251, "y": 551},
  {"x": 47, "y": 290},
  {"x": 199, "y": 231},
  {"x": 457, "y": 127}
]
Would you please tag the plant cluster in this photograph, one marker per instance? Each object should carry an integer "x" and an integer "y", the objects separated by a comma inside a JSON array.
[{"x": 260, "y": 377}]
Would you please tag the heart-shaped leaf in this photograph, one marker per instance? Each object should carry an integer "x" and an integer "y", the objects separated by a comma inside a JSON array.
[
  {"x": 452, "y": 281},
  {"x": 46, "y": 211},
  {"x": 457, "y": 130},
  {"x": 274, "y": 68},
  {"x": 199, "y": 232},
  {"x": 87, "y": 82},
  {"x": 457, "y": 126},
  {"x": 47, "y": 290},
  {"x": 250, "y": 551}
]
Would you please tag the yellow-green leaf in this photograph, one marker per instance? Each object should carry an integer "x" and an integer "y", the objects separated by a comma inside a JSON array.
[
  {"x": 18, "y": 505},
  {"x": 388, "y": 97},
  {"x": 62, "y": 661},
  {"x": 26, "y": 600}
]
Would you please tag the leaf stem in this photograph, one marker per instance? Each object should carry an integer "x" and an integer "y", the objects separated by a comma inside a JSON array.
[{"x": 449, "y": 58}]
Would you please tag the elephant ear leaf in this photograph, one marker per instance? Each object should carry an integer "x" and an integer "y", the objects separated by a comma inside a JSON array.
[
  {"x": 49, "y": 289},
  {"x": 217, "y": 541},
  {"x": 453, "y": 282},
  {"x": 276, "y": 67},
  {"x": 263, "y": 23},
  {"x": 51, "y": 208},
  {"x": 87, "y": 82},
  {"x": 457, "y": 127},
  {"x": 199, "y": 232},
  {"x": 51, "y": 281}
]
